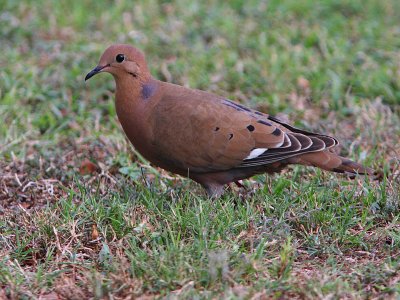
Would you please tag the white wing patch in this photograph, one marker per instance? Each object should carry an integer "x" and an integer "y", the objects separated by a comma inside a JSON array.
[
  {"x": 288, "y": 141},
  {"x": 256, "y": 152}
]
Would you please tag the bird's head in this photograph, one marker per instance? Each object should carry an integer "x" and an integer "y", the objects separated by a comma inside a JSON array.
[{"x": 121, "y": 60}]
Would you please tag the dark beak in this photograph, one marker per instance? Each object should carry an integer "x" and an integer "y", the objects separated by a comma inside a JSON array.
[{"x": 94, "y": 72}]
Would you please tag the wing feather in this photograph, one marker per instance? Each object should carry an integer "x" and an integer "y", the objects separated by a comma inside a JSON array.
[{"x": 202, "y": 132}]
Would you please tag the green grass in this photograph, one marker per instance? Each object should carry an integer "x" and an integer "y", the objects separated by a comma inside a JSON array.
[{"x": 128, "y": 229}]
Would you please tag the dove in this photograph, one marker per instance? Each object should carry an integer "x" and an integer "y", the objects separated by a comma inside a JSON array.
[{"x": 206, "y": 137}]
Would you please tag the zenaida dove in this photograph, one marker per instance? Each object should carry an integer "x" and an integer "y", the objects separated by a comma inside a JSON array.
[{"x": 206, "y": 137}]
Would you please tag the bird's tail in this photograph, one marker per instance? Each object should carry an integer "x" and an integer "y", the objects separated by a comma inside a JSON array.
[{"x": 332, "y": 162}]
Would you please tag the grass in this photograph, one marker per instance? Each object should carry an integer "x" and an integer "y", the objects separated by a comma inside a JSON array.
[{"x": 83, "y": 216}]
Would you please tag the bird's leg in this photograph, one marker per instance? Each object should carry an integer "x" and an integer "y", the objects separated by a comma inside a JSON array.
[
  {"x": 239, "y": 184},
  {"x": 214, "y": 190}
]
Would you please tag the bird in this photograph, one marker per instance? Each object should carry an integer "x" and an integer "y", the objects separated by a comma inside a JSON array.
[{"x": 206, "y": 137}]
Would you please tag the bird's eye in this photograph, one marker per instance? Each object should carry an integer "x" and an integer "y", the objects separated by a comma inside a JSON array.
[{"x": 120, "y": 58}]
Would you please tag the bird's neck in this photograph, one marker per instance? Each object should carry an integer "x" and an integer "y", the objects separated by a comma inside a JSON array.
[
  {"x": 127, "y": 94},
  {"x": 134, "y": 102}
]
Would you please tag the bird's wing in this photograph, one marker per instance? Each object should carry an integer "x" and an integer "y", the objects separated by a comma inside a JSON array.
[{"x": 204, "y": 133}]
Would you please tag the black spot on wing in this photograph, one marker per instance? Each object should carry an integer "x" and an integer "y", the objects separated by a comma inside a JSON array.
[
  {"x": 232, "y": 106},
  {"x": 277, "y": 132},
  {"x": 236, "y": 106},
  {"x": 243, "y": 107},
  {"x": 264, "y": 122},
  {"x": 250, "y": 128}
]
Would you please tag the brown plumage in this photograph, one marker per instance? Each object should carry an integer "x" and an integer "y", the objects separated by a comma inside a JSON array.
[{"x": 206, "y": 137}]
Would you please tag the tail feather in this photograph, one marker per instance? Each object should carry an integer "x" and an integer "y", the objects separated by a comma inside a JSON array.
[
  {"x": 332, "y": 162},
  {"x": 350, "y": 166}
]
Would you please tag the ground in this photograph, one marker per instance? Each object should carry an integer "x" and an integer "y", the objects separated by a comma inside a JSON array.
[{"x": 82, "y": 215}]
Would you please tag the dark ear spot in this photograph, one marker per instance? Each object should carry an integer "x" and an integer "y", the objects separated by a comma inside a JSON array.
[
  {"x": 133, "y": 74},
  {"x": 250, "y": 128},
  {"x": 148, "y": 90}
]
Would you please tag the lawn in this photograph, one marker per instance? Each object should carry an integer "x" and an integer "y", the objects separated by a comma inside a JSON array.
[{"x": 82, "y": 215}]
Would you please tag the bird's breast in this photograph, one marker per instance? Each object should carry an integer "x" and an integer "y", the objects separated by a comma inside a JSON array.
[{"x": 137, "y": 126}]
